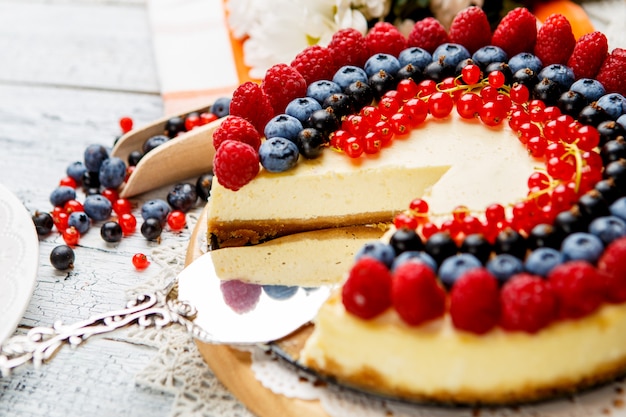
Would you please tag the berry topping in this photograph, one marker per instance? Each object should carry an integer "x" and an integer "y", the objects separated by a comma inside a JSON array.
[
  {"x": 611, "y": 73},
  {"x": 385, "y": 38},
  {"x": 612, "y": 264},
  {"x": 62, "y": 257},
  {"x": 252, "y": 103},
  {"x": 579, "y": 288},
  {"x": 555, "y": 40},
  {"x": 367, "y": 290},
  {"x": 428, "y": 34},
  {"x": 516, "y": 32},
  {"x": 348, "y": 47},
  {"x": 475, "y": 301},
  {"x": 282, "y": 84},
  {"x": 235, "y": 164},
  {"x": 236, "y": 128},
  {"x": 588, "y": 55},
  {"x": 471, "y": 29},
  {"x": 528, "y": 304},
  {"x": 416, "y": 294},
  {"x": 314, "y": 63}
]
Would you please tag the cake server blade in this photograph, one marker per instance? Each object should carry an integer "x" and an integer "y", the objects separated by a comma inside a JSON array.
[
  {"x": 212, "y": 310},
  {"x": 236, "y": 312}
]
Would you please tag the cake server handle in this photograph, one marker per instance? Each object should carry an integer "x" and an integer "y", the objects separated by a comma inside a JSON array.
[{"x": 157, "y": 309}]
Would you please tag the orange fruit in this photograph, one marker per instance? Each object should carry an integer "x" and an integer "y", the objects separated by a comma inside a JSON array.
[{"x": 578, "y": 18}]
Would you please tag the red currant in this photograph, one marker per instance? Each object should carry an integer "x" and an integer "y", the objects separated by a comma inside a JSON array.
[
  {"x": 440, "y": 104},
  {"x": 519, "y": 93},
  {"x": 468, "y": 106},
  {"x": 471, "y": 74},
  {"x": 353, "y": 147},
  {"x": 407, "y": 89},
  {"x": 140, "y": 261},
  {"x": 192, "y": 121},
  {"x": 207, "y": 117},
  {"x": 126, "y": 124},
  {"x": 404, "y": 220},
  {"x": 496, "y": 79},
  {"x": 176, "y": 220},
  {"x": 121, "y": 206},
  {"x": 372, "y": 143},
  {"x": 128, "y": 222},
  {"x": 400, "y": 124},
  {"x": 110, "y": 194},
  {"x": 71, "y": 236},
  {"x": 417, "y": 110},
  {"x": 68, "y": 182}
]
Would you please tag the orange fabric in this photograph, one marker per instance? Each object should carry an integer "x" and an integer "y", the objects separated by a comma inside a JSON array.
[{"x": 243, "y": 70}]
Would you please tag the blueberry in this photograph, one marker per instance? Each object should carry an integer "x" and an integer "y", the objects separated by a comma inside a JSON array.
[
  {"x": 591, "y": 89},
  {"x": 151, "y": 228},
  {"x": 560, "y": 74},
  {"x": 384, "y": 62},
  {"x": 348, "y": 74},
  {"x": 62, "y": 257},
  {"x": 302, "y": 108},
  {"x": 280, "y": 292},
  {"x": 504, "y": 266},
  {"x": 97, "y": 207},
  {"x": 112, "y": 172},
  {"x": 310, "y": 143},
  {"x": 155, "y": 209},
  {"x": 111, "y": 232},
  {"x": 182, "y": 197},
  {"x": 608, "y": 228},
  {"x": 613, "y": 104},
  {"x": 80, "y": 221},
  {"x": 43, "y": 223},
  {"x": 134, "y": 157},
  {"x": 450, "y": 54},
  {"x": 221, "y": 107},
  {"x": 153, "y": 142},
  {"x": 622, "y": 121},
  {"x": 278, "y": 154},
  {"x": 525, "y": 60},
  {"x": 582, "y": 246},
  {"x": 283, "y": 126},
  {"x": 93, "y": 157},
  {"x": 203, "y": 186},
  {"x": 453, "y": 267},
  {"x": 488, "y": 54},
  {"x": 321, "y": 89},
  {"x": 61, "y": 195},
  {"x": 542, "y": 260},
  {"x": 618, "y": 208},
  {"x": 414, "y": 256},
  {"x": 415, "y": 56},
  {"x": 378, "y": 250},
  {"x": 76, "y": 170}
]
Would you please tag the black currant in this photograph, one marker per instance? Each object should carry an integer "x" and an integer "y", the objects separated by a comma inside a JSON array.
[
  {"x": 43, "y": 223},
  {"x": 324, "y": 120},
  {"x": 410, "y": 71},
  {"x": 203, "y": 186},
  {"x": 310, "y": 142},
  {"x": 404, "y": 240},
  {"x": 592, "y": 115},
  {"x": 111, "y": 232},
  {"x": 174, "y": 126},
  {"x": 134, "y": 157},
  {"x": 544, "y": 235},
  {"x": 360, "y": 93},
  {"x": 571, "y": 103},
  {"x": 512, "y": 242},
  {"x": 151, "y": 229},
  {"x": 440, "y": 246},
  {"x": 340, "y": 103},
  {"x": 380, "y": 83},
  {"x": 476, "y": 244},
  {"x": 62, "y": 257}
]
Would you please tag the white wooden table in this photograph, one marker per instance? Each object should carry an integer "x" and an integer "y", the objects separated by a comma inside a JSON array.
[{"x": 69, "y": 69}]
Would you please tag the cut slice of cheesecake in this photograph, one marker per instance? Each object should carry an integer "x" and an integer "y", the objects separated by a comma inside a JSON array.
[
  {"x": 451, "y": 162},
  {"x": 312, "y": 258}
]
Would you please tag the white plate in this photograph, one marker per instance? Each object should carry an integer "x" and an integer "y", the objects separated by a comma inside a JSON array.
[{"x": 19, "y": 257}]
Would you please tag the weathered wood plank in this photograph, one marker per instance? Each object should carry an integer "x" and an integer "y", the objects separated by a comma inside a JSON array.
[{"x": 88, "y": 44}]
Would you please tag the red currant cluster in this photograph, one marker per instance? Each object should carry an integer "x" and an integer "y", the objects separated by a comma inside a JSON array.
[{"x": 568, "y": 149}]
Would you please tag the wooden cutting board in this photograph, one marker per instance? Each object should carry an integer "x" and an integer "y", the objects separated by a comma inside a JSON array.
[{"x": 232, "y": 367}]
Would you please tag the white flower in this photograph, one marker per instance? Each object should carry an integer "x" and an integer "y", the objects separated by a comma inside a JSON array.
[
  {"x": 445, "y": 10},
  {"x": 276, "y": 31}
]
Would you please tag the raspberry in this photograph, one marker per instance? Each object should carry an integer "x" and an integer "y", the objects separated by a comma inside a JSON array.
[
  {"x": 470, "y": 28},
  {"x": 239, "y": 129},
  {"x": 282, "y": 84},
  {"x": 235, "y": 164},
  {"x": 348, "y": 47},
  {"x": 315, "y": 63},
  {"x": 428, "y": 34},
  {"x": 528, "y": 303},
  {"x": 612, "y": 264},
  {"x": 475, "y": 301},
  {"x": 579, "y": 288},
  {"x": 611, "y": 73},
  {"x": 516, "y": 32},
  {"x": 416, "y": 294},
  {"x": 385, "y": 38},
  {"x": 250, "y": 102},
  {"x": 589, "y": 53},
  {"x": 555, "y": 40},
  {"x": 367, "y": 291}
]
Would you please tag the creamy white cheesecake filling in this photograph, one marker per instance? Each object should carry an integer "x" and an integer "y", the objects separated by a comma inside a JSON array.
[{"x": 438, "y": 361}]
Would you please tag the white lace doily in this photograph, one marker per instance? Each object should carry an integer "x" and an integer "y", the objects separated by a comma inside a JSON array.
[{"x": 178, "y": 368}]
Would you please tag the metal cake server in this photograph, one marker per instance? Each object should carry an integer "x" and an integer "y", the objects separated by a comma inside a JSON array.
[{"x": 212, "y": 311}]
